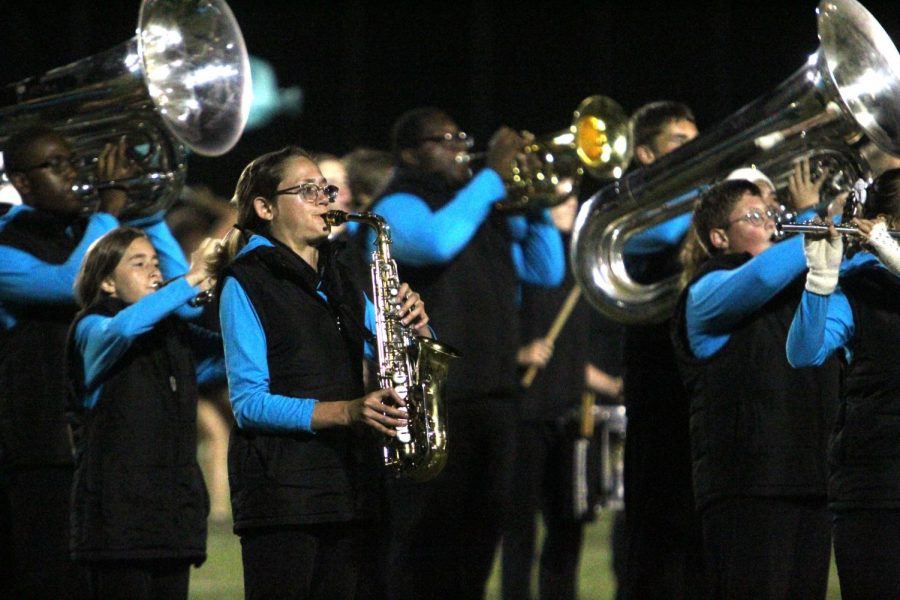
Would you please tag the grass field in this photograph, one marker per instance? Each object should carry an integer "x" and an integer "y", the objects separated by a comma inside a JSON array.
[{"x": 220, "y": 578}]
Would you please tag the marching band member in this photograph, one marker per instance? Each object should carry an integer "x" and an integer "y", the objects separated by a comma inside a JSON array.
[
  {"x": 139, "y": 504},
  {"x": 758, "y": 427},
  {"x": 293, "y": 328},
  {"x": 858, "y": 317},
  {"x": 42, "y": 243}
]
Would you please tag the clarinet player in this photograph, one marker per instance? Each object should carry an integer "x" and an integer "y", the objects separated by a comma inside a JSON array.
[{"x": 294, "y": 330}]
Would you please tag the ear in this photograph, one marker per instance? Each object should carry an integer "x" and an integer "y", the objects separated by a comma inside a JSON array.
[
  {"x": 108, "y": 286},
  {"x": 263, "y": 208},
  {"x": 644, "y": 154},
  {"x": 718, "y": 238},
  {"x": 21, "y": 183}
]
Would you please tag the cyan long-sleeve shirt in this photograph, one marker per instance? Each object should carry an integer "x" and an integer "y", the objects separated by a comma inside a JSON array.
[
  {"x": 422, "y": 237},
  {"x": 823, "y": 324},
  {"x": 26, "y": 279},
  {"x": 253, "y": 403},
  {"x": 103, "y": 340}
]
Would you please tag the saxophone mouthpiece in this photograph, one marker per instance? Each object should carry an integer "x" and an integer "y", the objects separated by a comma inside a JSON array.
[{"x": 335, "y": 217}]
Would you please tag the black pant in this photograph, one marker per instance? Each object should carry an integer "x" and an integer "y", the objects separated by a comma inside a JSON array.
[
  {"x": 139, "y": 580},
  {"x": 769, "y": 548},
  {"x": 867, "y": 552},
  {"x": 312, "y": 561},
  {"x": 543, "y": 480},
  {"x": 663, "y": 535},
  {"x": 444, "y": 532},
  {"x": 34, "y": 534}
]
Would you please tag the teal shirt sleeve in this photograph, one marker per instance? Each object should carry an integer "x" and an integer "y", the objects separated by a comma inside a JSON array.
[
  {"x": 103, "y": 340},
  {"x": 253, "y": 403},
  {"x": 24, "y": 278},
  {"x": 537, "y": 250},
  {"x": 421, "y": 237},
  {"x": 719, "y": 300},
  {"x": 821, "y": 325}
]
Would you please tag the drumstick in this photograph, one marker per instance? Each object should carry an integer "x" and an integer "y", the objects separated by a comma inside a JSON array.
[{"x": 555, "y": 328}]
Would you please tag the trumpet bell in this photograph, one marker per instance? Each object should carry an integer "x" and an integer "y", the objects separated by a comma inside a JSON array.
[{"x": 598, "y": 141}]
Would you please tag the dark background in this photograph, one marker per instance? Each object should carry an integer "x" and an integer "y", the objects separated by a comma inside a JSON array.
[{"x": 361, "y": 64}]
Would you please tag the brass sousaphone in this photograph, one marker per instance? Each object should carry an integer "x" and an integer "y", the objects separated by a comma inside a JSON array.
[
  {"x": 182, "y": 83},
  {"x": 843, "y": 101}
]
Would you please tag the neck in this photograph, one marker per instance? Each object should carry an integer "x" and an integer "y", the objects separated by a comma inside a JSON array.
[{"x": 305, "y": 250}]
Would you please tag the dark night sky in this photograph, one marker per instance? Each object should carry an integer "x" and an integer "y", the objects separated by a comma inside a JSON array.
[{"x": 360, "y": 64}]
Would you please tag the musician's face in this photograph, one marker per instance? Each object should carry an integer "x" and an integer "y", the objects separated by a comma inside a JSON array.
[
  {"x": 674, "y": 134},
  {"x": 443, "y": 157},
  {"x": 750, "y": 229},
  {"x": 137, "y": 273},
  {"x": 295, "y": 221},
  {"x": 48, "y": 186}
]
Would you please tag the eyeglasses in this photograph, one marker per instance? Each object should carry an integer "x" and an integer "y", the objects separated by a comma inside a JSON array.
[
  {"x": 309, "y": 192},
  {"x": 460, "y": 137},
  {"x": 756, "y": 217},
  {"x": 58, "y": 164}
]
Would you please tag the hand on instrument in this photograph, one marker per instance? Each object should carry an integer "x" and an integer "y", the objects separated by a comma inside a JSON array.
[
  {"x": 379, "y": 410},
  {"x": 503, "y": 147},
  {"x": 824, "y": 253},
  {"x": 804, "y": 191},
  {"x": 536, "y": 354},
  {"x": 113, "y": 164},
  {"x": 202, "y": 262},
  {"x": 412, "y": 310},
  {"x": 876, "y": 233}
]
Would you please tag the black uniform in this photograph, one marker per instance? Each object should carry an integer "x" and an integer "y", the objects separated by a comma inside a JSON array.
[
  {"x": 864, "y": 456},
  {"x": 444, "y": 531},
  {"x": 138, "y": 495},
  {"x": 35, "y": 445},
  {"x": 758, "y": 434},
  {"x": 301, "y": 495}
]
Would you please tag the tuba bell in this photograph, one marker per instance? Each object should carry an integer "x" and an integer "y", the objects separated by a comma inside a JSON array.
[
  {"x": 841, "y": 102},
  {"x": 182, "y": 83},
  {"x": 598, "y": 141}
]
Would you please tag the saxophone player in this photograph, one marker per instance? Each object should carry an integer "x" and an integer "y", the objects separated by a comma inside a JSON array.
[{"x": 294, "y": 330}]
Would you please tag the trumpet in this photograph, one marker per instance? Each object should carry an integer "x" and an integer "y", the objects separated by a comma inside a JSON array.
[
  {"x": 811, "y": 227},
  {"x": 598, "y": 141}
]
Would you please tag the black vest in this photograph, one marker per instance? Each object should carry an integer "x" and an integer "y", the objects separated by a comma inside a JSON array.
[
  {"x": 138, "y": 491},
  {"x": 471, "y": 300},
  {"x": 865, "y": 447},
  {"x": 314, "y": 350},
  {"x": 758, "y": 426},
  {"x": 33, "y": 429}
]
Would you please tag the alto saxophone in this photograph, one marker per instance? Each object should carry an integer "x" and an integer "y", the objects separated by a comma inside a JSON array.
[{"x": 414, "y": 366}]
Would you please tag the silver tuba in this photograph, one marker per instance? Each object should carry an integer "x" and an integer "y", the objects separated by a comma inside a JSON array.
[
  {"x": 415, "y": 367},
  {"x": 843, "y": 99},
  {"x": 183, "y": 82}
]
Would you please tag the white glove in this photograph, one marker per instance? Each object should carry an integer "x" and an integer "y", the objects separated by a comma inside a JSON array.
[
  {"x": 885, "y": 247},
  {"x": 823, "y": 257}
]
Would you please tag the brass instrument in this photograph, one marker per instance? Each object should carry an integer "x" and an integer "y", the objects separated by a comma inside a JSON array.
[
  {"x": 414, "y": 366},
  {"x": 183, "y": 82},
  {"x": 843, "y": 99},
  {"x": 597, "y": 141}
]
